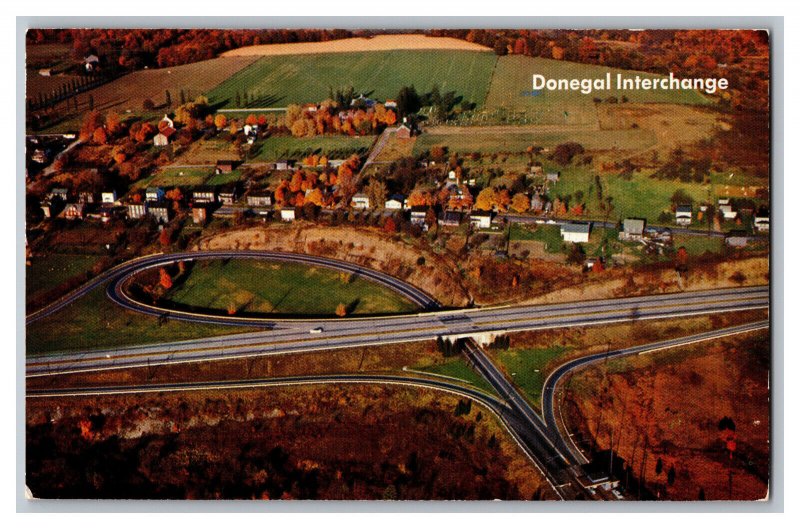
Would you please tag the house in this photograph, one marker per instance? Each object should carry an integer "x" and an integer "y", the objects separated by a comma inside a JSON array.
[
  {"x": 537, "y": 204},
  {"x": 450, "y": 218},
  {"x": 683, "y": 214},
  {"x": 395, "y": 202},
  {"x": 166, "y": 123},
  {"x": 227, "y": 197},
  {"x": 59, "y": 192},
  {"x": 360, "y": 201},
  {"x": 553, "y": 177},
  {"x": 224, "y": 166},
  {"x": 137, "y": 211},
  {"x": 75, "y": 211},
  {"x": 310, "y": 107},
  {"x": 575, "y": 232},
  {"x": 403, "y": 132},
  {"x": 154, "y": 194},
  {"x": 284, "y": 165},
  {"x": 159, "y": 211},
  {"x": 108, "y": 197},
  {"x": 199, "y": 214},
  {"x": 632, "y": 230},
  {"x": 86, "y": 197},
  {"x": 91, "y": 62},
  {"x": 287, "y": 215},
  {"x": 51, "y": 206},
  {"x": 418, "y": 216},
  {"x": 481, "y": 219},
  {"x": 727, "y": 211},
  {"x": 203, "y": 195},
  {"x": 162, "y": 138},
  {"x": 259, "y": 199},
  {"x": 761, "y": 221},
  {"x": 390, "y": 103}
]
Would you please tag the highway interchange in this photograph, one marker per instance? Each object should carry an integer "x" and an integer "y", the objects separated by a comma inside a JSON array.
[{"x": 539, "y": 436}]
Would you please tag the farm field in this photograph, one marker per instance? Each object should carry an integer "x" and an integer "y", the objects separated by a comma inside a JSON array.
[
  {"x": 258, "y": 287},
  {"x": 94, "y": 321},
  {"x": 410, "y": 41},
  {"x": 496, "y": 139},
  {"x": 179, "y": 176},
  {"x": 47, "y": 272},
  {"x": 510, "y": 92},
  {"x": 334, "y": 147},
  {"x": 277, "y": 81}
]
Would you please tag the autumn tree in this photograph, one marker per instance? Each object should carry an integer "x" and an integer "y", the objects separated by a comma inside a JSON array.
[
  {"x": 520, "y": 203},
  {"x": 486, "y": 200},
  {"x": 164, "y": 278},
  {"x": 341, "y": 310},
  {"x": 220, "y": 121},
  {"x": 91, "y": 122},
  {"x": 113, "y": 123},
  {"x": 99, "y": 136},
  {"x": 163, "y": 239},
  {"x": 376, "y": 191}
]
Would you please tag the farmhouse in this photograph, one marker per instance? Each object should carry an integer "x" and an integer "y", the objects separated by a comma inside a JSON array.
[
  {"x": 287, "y": 215},
  {"x": 360, "y": 201},
  {"x": 537, "y": 204},
  {"x": 137, "y": 211},
  {"x": 259, "y": 199},
  {"x": 727, "y": 211},
  {"x": 632, "y": 230},
  {"x": 481, "y": 219},
  {"x": 108, "y": 197},
  {"x": 395, "y": 202},
  {"x": 575, "y": 232},
  {"x": 683, "y": 214}
]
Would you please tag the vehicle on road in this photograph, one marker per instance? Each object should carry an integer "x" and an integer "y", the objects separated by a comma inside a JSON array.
[{"x": 316, "y": 330}]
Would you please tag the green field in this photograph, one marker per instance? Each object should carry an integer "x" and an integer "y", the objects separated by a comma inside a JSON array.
[
  {"x": 515, "y": 140},
  {"x": 47, "y": 272},
  {"x": 458, "y": 368},
  {"x": 334, "y": 147},
  {"x": 169, "y": 177},
  {"x": 526, "y": 368},
  {"x": 94, "y": 321},
  {"x": 513, "y": 78},
  {"x": 261, "y": 287},
  {"x": 278, "y": 81}
]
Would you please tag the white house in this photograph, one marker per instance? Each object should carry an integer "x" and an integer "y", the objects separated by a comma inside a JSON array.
[
  {"x": 154, "y": 194},
  {"x": 259, "y": 200},
  {"x": 287, "y": 215},
  {"x": 683, "y": 214},
  {"x": 632, "y": 229},
  {"x": 727, "y": 211},
  {"x": 360, "y": 201},
  {"x": 137, "y": 211},
  {"x": 395, "y": 202},
  {"x": 108, "y": 197},
  {"x": 160, "y": 140},
  {"x": 761, "y": 222},
  {"x": 575, "y": 232},
  {"x": 481, "y": 219},
  {"x": 418, "y": 215}
]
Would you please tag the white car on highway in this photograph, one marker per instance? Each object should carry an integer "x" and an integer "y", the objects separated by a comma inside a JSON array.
[{"x": 316, "y": 330}]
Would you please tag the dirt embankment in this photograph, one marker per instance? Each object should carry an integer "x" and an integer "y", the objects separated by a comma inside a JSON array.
[
  {"x": 436, "y": 274},
  {"x": 640, "y": 282},
  {"x": 703, "y": 411},
  {"x": 360, "y": 44},
  {"x": 337, "y": 443}
]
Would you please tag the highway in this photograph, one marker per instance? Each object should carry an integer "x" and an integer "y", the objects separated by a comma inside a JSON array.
[
  {"x": 557, "y": 429},
  {"x": 290, "y": 336}
]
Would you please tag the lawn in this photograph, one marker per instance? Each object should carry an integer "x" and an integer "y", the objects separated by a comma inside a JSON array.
[
  {"x": 699, "y": 245},
  {"x": 511, "y": 97},
  {"x": 546, "y": 233},
  {"x": 527, "y": 368},
  {"x": 94, "y": 321},
  {"x": 224, "y": 178},
  {"x": 457, "y": 368},
  {"x": 261, "y": 287},
  {"x": 49, "y": 271},
  {"x": 277, "y": 81},
  {"x": 180, "y": 176},
  {"x": 334, "y": 147}
]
